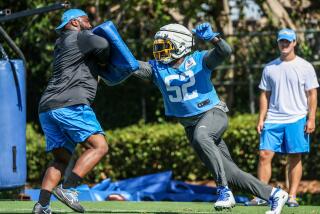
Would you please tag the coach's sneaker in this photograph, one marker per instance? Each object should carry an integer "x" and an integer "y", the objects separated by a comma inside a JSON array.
[
  {"x": 256, "y": 202},
  {"x": 292, "y": 202},
  {"x": 38, "y": 209},
  {"x": 69, "y": 197},
  {"x": 277, "y": 200},
  {"x": 225, "y": 200}
]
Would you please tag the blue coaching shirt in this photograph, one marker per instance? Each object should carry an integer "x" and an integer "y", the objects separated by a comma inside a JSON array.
[{"x": 186, "y": 90}]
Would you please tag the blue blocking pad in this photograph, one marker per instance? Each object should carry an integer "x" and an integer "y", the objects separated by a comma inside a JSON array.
[{"x": 121, "y": 62}]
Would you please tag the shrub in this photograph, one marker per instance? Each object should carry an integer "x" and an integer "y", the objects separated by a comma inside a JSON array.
[{"x": 148, "y": 148}]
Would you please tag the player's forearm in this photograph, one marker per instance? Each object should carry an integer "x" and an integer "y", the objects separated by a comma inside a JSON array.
[
  {"x": 263, "y": 105},
  {"x": 312, "y": 104},
  {"x": 262, "y": 113},
  {"x": 222, "y": 48},
  {"x": 215, "y": 56},
  {"x": 144, "y": 72}
]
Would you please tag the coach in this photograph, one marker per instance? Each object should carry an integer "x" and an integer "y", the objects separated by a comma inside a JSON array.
[
  {"x": 64, "y": 111},
  {"x": 288, "y": 103}
]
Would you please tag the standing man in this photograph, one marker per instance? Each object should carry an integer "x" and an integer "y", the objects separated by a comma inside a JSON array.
[
  {"x": 184, "y": 79},
  {"x": 288, "y": 104},
  {"x": 64, "y": 111}
]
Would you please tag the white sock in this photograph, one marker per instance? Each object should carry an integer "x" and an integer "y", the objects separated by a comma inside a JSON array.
[{"x": 273, "y": 190}]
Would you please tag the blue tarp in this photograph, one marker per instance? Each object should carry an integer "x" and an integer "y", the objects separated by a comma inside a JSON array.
[{"x": 153, "y": 187}]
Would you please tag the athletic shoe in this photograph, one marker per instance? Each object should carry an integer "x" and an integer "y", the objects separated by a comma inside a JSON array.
[
  {"x": 256, "y": 202},
  {"x": 292, "y": 202},
  {"x": 38, "y": 209},
  {"x": 69, "y": 197},
  {"x": 225, "y": 200},
  {"x": 277, "y": 200}
]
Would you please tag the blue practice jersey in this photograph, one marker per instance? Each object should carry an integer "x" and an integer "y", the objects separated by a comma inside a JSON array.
[{"x": 186, "y": 90}]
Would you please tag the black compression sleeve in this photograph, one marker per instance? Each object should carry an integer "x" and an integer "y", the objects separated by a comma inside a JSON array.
[
  {"x": 90, "y": 43},
  {"x": 144, "y": 72},
  {"x": 215, "y": 56}
]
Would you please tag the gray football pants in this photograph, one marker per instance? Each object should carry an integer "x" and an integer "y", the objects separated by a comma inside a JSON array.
[{"x": 205, "y": 138}]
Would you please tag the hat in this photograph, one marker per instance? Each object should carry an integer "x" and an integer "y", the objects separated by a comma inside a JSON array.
[
  {"x": 69, "y": 15},
  {"x": 286, "y": 34}
]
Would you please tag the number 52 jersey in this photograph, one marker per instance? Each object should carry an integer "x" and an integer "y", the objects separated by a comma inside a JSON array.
[{"x": 186, "y": 90}]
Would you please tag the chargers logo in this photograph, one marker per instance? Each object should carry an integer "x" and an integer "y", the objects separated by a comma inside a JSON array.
[
  {"x": 287, "y": 33},
  {"x": 189, "y": 63}
]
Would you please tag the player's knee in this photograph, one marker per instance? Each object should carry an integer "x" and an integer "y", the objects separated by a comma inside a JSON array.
[
  {"x": 200, "y": 138},
  {"x": 98, "y": 143},
  {"x": 265, "y": 156},
  {"x": 103, "y": 148}
]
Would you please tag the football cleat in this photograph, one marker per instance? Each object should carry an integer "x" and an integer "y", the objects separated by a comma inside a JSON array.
[
  {"x": 69, "y": 197},
  {"x": 38, "y": 209},
  {"x": 256, "y": 202},
  {"x": 277, "y": 200},
  {"x": 292, "y": 202},
  {"x": 225, "y": 199}
]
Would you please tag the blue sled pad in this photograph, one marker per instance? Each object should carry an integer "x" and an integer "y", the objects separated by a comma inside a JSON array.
[
  {"x": 179, "y": 187},
  {"x": 103, "y": 185},
  {"x": 121, "y": 62},
  {"x": 148, "y": 183}
]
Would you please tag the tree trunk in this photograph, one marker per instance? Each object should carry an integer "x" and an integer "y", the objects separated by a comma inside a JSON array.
[
  {"x": 228, "y": 30},
  {"x": 279, "y": 14}
]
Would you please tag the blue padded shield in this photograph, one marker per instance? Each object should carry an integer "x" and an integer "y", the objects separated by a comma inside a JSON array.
[
  {"x": 121, "y": 63},
  {"x": 13, "y": 120}
]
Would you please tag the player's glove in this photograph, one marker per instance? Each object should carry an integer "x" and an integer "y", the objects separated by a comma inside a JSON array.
[{"x": 204, "y": 32}]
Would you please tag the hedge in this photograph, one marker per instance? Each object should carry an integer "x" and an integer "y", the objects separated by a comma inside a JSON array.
[{"x": 148, "y": 148}]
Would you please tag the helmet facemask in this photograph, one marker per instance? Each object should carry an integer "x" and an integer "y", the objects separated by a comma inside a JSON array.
[
  {"x": 172, "y": 42},
  {"x": 162, "y": 50}
]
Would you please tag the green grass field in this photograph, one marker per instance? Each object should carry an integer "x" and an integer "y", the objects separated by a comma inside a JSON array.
[{"x": 148, "y": 207}]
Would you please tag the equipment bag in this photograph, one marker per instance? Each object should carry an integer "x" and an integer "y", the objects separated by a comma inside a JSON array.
[{"x": 12, "y": 122}]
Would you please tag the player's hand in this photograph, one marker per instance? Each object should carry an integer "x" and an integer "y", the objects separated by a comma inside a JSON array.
[
  {"x": 310, "y": 126},
  {"x": 260, "y": 126},
  {"x": 204, "y": 32}
]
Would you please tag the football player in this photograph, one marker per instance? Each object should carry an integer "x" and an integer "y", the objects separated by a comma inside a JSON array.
[{"x": 184, "y": 79}]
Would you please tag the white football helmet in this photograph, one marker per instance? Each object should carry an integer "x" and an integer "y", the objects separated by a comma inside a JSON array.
[{"x": 172, "y": 41}]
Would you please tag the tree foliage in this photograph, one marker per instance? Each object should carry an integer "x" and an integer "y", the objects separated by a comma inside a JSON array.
[{"x": 253, "y": 43}]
